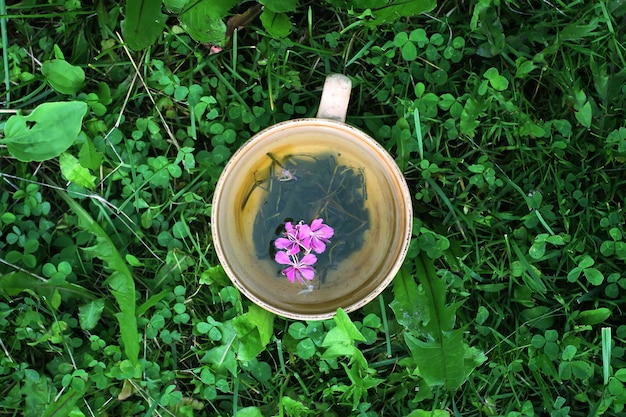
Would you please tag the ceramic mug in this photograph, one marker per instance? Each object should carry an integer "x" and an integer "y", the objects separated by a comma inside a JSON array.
[{"x": 370, "y": 205}]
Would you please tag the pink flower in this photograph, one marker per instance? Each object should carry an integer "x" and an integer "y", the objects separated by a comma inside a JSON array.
[
  {"x": 294, "y": 238},
  {"x": 318, "y": 235},
  {"x": 298, "y": 268}
]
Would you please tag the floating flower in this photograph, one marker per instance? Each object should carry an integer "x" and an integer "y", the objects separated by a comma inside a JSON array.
[
  {"x": 298, "y": 269},
  {"x": 318, "y": 235},
  {"x": 295, "y": 247},
  {"x": 294, "y": 237}
]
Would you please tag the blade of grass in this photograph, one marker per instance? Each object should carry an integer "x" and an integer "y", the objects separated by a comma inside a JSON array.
[
  {"x": 606, "y": 354},
  {"x": 360, "y": 53},
  {"x": 5, "y": 51},
  {"x": 418, "y": 133},
  {"x": 383, "y": 314}
]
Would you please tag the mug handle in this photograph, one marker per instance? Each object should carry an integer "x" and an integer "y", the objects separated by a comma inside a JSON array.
[{"x": 335, "y": 98}]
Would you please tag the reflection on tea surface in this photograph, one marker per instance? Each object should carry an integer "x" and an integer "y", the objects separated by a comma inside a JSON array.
[{"x": 298, "y": 189}]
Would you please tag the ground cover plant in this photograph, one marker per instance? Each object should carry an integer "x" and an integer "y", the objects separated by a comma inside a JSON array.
[{"x": 506, "y": 117}]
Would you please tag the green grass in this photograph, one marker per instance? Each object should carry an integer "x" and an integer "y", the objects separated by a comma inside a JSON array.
[{"x": 506, "y": 117}]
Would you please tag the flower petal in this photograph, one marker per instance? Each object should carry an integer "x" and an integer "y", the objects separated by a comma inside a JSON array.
[
  {"x": 315, "y": 224},
  {"x": 307, "y": 272},
  {"x": 291, "y": 231},
  {"x": 282, "y": 243},
  {"x": 304, "y": 231},
  {"x": 309, "y": 259},
  {"x": 290, "y": 273},
  {"x": 325, "y": 232},
  {"x": 317, "y": 246},
  {"x": 283, "y": 258}
]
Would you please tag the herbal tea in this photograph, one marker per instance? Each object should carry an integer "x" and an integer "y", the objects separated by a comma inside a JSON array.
[
  {"x": 311, "y": 219},
  {"x": 312, "y": 214}
]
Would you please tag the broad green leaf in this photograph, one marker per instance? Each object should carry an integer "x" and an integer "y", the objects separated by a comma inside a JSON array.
[
  {"x": 344, "y": 333},
  {"x": 306, "y": 348},
  {"x": 249, "y": 412},
  {"x": 584, "y": 115},
  {"x": 204, "y": 20},
  {"x": 73, "y": 171},
  {"x": 440, "y": 362},
  {"x": 336, "y": 337},
  {"x": 89, "y": 314},
  {"x": 472, "y": 110},
  {"x": 407, "y": 304},
  {"x": 586, "y": 261},
  {"x": 443, "y": 359},
  {"x": 574, "y": 274},
  {"x": 222, "y": 358},
  {"x": 143, "y": 23},
  {"x": 409, "y": 51},
  {"x": 400, "y": 39},
  {"x": 88, "y": 156},
  {"x": 120, "y": 281},
  {"x": 345, "y": 324},
  {"x": 63, "y": 76},
  {"x": 13, "y": 283},
  {"x": 175, "y": 6},
  {"x": 594, "y": 276},
  {"x": 65, "y": 404},
  {"x": 255, "y": 330},
  {"x": 40, "y": 392},
  {"x": 499, "y": 83},
  {"x": 277, "y": 24},
  {"x": 339, "y": 349},
  {"x": 596, "y": 316},
  {"x": 401, "y": 8},
  {"x": 151, "y": 302},
  {"x": 429, "y": 413},
  {"x": 294, "y": 407},
  {"x": 280, "y": 6},
  {"x": 339, "y": 340},
  {"x": 46, "y": 132},
  {"x": 524, "y": 67},
  {"x": 441, "y": 316},
  {"x": 263, "y": 320}
]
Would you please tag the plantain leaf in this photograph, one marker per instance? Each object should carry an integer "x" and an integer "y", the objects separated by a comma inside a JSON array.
[
  {"x": 65, "y": 404},
  {"x": 277, "y": 24},
  {"x": 442, "y": 357},
  {"x": 401, "y": 8},
  {"x": 407, "y": 303},
  {"x": 204, "y": 20},
  {"x": 13, "y": 283},
  {"x": 143, "y": 23},
  {"x": 63, "y": 76},
  {"x": 441, "y": 316},
  {"x": 440, "y": 362},
  {"x": 280, "y": 6},
  {"x": 48, "y": 131},
  {"x": 120, "y": 281}
]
